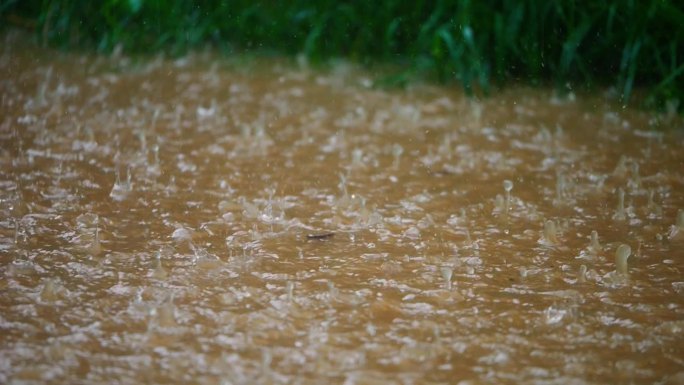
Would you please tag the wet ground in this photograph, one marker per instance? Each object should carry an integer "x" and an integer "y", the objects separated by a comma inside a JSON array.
[{"x": 242, "y": 221}]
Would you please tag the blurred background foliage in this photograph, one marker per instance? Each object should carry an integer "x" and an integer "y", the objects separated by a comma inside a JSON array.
[{"x": 624, "y": 44}]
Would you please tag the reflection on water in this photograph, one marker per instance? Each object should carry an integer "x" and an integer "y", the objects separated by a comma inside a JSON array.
[{"x": 195, "y": 220}]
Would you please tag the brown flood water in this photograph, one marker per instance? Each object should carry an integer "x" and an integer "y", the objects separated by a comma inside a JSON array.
[{"x": 216, "y": 221}]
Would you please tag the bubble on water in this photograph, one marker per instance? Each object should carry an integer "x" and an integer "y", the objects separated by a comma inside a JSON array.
[
  {"x": 554, "y": 315},
  {"x": 181, "y": 234},
  {"x": 412, "y": 233},
  {"x": 206, "y": 112}
]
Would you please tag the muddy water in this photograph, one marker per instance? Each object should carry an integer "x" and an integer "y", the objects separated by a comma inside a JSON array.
[{"x": 205, "y": 220}]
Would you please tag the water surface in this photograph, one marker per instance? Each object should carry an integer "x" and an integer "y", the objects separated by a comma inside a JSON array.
[{"x": 235, "y": 221}]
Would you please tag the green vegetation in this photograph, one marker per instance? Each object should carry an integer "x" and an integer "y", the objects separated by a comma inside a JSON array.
[{"x": 479, "y": 43}]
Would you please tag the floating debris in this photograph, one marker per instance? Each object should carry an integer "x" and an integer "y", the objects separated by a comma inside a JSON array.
[{"x": 320, "y": 237}]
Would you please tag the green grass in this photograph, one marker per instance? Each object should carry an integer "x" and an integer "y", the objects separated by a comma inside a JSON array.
[{"x": 477, "y": 43}]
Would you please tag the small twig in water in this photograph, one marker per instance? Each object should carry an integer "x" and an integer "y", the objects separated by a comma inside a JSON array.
[{"x": 320, "y": 236}]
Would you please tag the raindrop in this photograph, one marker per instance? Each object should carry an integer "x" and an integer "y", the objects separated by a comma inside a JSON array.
[
  {"x": 582, "y": 275},
  {"x": 508, "y": 186},
  {"x": 621, "y": 255},
  {"x": 447, "y": 272},
  {"x": 677, "y": 230},
  {"x": 550, "y": 234},
  {"x": 620, "y": 214},
  {"x": 181, "y": 234},
  {"x": 50, "y": 291},
  {"x": 121, "y": 190},
  {"x": 166, "y": 314},
  {"x": 158, "y": 270},
  {"x": 594, "y": 245},
  {"x": 397, "y": 150}
]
